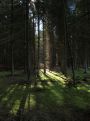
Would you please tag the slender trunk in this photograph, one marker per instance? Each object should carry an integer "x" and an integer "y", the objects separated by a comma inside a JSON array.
[
  {"x": 61, "y": 39},
  {"x": 86, "y": 45},
  {"x": 72, "y": 60},
  {"x": 27, "y": 40},
  {"x": 65, "y": 39},
  {"x": 44, "y": 44},
  {"x": 25, "y": 48},
  {"x": 12, "y": 57},
  {"x": 85, "y": 58},
  {"x": 34, "y": 48},
  {"x": 69, "y": 43},
  {"x": 12, "y": 43},
  {"x": 38, "y": 42}
]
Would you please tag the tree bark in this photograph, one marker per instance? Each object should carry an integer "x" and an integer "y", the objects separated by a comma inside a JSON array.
[
  {"x": 11, "y": 36},
  {"x": 44, "y": 46}
]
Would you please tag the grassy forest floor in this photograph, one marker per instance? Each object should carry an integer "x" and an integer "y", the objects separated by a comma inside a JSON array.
[{"x": 49, "y": 100}]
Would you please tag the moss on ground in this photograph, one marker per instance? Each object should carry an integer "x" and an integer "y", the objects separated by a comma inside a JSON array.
[{"x": 49, "y": 100}]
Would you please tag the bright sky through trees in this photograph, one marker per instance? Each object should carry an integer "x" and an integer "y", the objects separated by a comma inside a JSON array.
[{"x": 71, "y": 5}]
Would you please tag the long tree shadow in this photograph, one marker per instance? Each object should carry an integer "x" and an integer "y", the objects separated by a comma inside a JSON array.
[
  {"x": 60, "y": 103},
  {"x": 14, "y": 101},
  {"x": 6, "y": 91},
  {"x": 21, "y": 110},
  {"x": 46, "y": 102},
  {"x": 50, "y": 100}
]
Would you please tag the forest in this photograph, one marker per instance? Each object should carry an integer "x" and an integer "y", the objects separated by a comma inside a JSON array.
[{"x": 44, "y": 60}]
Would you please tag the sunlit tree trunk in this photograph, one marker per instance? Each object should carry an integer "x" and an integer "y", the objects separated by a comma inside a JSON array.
[
  {"x": 44, "y": 46},
  {"x": 53, "y": 54},
  {"x": 47, "y": 45},
  {"x": 38, "y": 62}
]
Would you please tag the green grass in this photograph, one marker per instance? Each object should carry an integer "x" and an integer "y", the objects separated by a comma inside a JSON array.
[
  {"x": 79, "y": 74},
  {"x": 50, "y": 100}
]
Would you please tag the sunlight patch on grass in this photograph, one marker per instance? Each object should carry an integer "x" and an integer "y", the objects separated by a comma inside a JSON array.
[
  {"x": 10, "y": 88},
  {"x": 5, "y": 99},
  {"x": 44, "y": 84},
  {"x": 7, "y": 93},
  {"x": 52, "y": 75},
  {"x": 84, "y": 87},
  {"x": 49, "y": 93},
  {"x": 30, "y": 102},
  {"x": 18, "y": 99},
  {"x": 58, "y": 74},
  {"x": 57, "y": 96},
  {"x": 15, "y": 107},
  {"x": 40, "y": 85},
  {"x": 50, "y": 83},
  {"x": 42, "y": 76},
  {"x": 57, "y": 78}
]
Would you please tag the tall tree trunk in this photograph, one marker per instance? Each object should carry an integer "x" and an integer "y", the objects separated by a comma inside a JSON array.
[
  {"x": 62, "y": 36},
  {"x": 65, "y": 38},
  {"x": 38, "y": 63},
  {"x": 69, "y": 43},
  {"x": 53, "y": 54},
  {"x": 28, "y": 41},
  {"x": 47, "y": 46},
  {"x": 12, "y": 41},
  {"x": 44, "y": 46},
  {"x": 85, "y": 57},
  {"x": 34, "y": 47}
]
